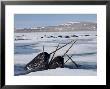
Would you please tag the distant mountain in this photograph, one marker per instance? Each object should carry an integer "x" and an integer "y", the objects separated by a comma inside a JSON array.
[{"x": 69, "y": 26}]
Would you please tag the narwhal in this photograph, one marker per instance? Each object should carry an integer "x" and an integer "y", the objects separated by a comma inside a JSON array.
[
  {"x": 59, "y": 60},
  {"x": 41, "y": 61}
]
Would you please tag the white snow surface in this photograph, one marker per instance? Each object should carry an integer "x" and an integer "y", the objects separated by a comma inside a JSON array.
[{"x": 64, "y": 72}]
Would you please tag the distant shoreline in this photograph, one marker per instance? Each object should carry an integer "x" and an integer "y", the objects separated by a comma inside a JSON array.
[
  {"x": 66, "y": 27},
  {"x": 51, "y": 31}
]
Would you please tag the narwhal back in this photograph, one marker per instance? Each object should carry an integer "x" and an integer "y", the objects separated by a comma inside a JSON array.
[
  {"x": 40, "y": 62},
  {"x": 56, "y": 62}
]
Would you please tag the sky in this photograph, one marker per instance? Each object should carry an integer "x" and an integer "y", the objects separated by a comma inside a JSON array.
[{"x": 40, "y": 20}]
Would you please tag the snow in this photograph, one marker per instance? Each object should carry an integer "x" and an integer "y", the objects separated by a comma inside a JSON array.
[
  {"x": 69, "y": 23},
  {"x": 73, "y": 22},
  {"x": 83, "y": 52},
  {"x": 63, "y": 72}
]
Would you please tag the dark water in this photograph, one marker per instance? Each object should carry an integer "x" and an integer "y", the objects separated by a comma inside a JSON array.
[
  {"x": 19, "y": 69},
  {"x": 82, "y": 65}
]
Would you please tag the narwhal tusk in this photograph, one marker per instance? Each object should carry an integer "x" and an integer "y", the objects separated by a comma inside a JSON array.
[
  {"x": 54, "y": 53},
  {"x": 72, "y": 61},
  {"x": 69, "y": 48},
  {"x": 61, "y": 47}
]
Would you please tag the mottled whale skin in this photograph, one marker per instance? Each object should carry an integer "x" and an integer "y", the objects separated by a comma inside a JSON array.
[
  {"x": 56, "y": 62},
  {"x": 40, "y": 62}
]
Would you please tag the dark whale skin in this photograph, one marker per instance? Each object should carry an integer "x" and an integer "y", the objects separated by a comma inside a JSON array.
[
  {"x": 56, "y": 62},
  {"x": 40, "y": 62}
]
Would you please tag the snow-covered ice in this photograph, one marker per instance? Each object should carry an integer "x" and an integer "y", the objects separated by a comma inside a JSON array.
[
  {"x": 83, "y": 52},
  {"x": 64, "y": 72}
]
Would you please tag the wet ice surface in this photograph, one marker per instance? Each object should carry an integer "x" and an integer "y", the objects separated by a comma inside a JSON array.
[
  {"x": 23, "y": 48},
  {"x": 83, "y": 52}
]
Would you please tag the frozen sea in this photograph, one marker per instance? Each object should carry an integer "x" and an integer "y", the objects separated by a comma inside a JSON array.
[{"x": 83, "y": 52}]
